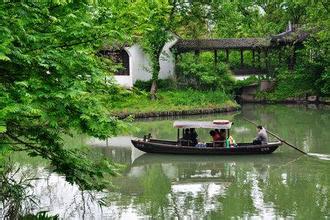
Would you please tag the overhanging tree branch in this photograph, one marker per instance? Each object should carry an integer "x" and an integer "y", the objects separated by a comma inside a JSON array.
[{"x": 65, "y": 45}]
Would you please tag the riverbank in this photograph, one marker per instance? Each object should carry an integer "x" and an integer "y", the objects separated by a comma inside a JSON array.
[
  {"x": 264, "y": 98},
  {"x": 173, "y": 103},
  {"x": 259, "y": 93}
]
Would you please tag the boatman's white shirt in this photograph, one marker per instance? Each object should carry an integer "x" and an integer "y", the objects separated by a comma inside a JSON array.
[{"x": 262, "y": 136}]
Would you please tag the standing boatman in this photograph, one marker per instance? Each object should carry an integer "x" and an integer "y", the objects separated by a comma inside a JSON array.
[{"x": 262, "y": 137}]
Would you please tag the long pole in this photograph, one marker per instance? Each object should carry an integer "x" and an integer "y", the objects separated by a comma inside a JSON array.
[{"x": 279, "y": 138}]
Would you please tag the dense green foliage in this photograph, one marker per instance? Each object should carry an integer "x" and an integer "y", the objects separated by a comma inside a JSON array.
[
  {"x": 218, "y": 19},
  {"x": 156, "y": 35},
  {"x": 201, "y": 73},
  {"x": 53, "y": 83},
  {"x": 298, "y": 83},
  {"x": 233, "y": 19}
]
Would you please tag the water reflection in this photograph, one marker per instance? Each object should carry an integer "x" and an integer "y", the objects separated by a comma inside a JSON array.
[
  {"x": 283, "y": 185},
  {"x": 50, "y": 192},
  {"x": 163, "y": 186}
]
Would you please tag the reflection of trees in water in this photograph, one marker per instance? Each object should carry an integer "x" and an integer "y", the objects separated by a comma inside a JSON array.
[
  {"x": 16, "y": 198},
  {"x": 51, "y": 192},
  {"x": 301, "y": 190},
  {"x": 217, "y": 188},
  {"x": 202, "y": 183},
  {"x": 213, "y": 186},
  {"x": 220, "y": 190},
  {"x": 117, "y": 154},
  {"x": 156, "y": 188},
  {"x": 59, "y": 197}
]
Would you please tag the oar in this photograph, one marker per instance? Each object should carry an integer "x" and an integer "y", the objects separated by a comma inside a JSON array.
[{"x": 279, "y": 138}]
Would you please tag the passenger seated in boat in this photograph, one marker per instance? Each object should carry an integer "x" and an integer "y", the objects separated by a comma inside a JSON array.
[
  {"x": 185, "y": 137},
  {"x": 215, "y": 136},
  {"x": 193, "y": 136},
  {"x": 262, "y": 137},
  {"x": 217, "y": 139},
  {"x": 189, "y": 137},
  {"x": 186, "y": 134},
  {"x": 230, "y": 142},
  {"x": 222, "y": 134}
]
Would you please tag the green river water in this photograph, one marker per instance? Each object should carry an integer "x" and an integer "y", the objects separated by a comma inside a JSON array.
[{"x": 282, "y": 185}]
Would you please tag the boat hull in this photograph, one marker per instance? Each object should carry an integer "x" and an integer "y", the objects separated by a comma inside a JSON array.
[{"x": 171, "y": 148}]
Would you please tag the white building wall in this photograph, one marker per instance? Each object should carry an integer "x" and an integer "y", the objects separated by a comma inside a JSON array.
[
  {"x": 167, "y": 61},
  {"x": 124, "y": 81},
  {"x": 140, "y": 66}
]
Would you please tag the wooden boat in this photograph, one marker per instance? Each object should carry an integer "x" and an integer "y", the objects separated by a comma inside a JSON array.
[{"x": 181, "y": 146}]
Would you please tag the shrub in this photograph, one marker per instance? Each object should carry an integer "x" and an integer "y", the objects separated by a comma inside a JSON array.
[
  {"x": 304, "y": 80},
  {"x": 201, "y": 73}
]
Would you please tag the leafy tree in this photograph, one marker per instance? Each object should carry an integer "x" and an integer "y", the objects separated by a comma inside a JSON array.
[
  {"x": 52, "y": 82},
  {"x": 316, "y": 53},
  {"x": 156, "y": 34},
  {"x": 193, "y": 19}
]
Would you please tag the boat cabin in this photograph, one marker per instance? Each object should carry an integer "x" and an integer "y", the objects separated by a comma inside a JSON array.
[{"x": 222, "y": 125}]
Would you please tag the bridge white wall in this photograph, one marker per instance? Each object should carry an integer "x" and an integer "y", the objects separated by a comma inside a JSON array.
[
  {"x": 140, "y": 65},
  {"x": 238, "y": 77},
  {"x": 167, "y": 61},
  {"x": 124, "y": 81}
]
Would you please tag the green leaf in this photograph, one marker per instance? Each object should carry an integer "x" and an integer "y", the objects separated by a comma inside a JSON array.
[
  {"x": 3, "y": 128},
  {"x": 4, "y": 57},
  {"x": 22, "y": 83}
]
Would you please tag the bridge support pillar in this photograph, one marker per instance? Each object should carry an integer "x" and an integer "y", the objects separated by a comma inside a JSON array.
[
  {"x": 227, "y": 55},
  {"x": 266, "y": 60},
  {"x": 242, "y": 58},
  {"x": 215, "y": 57},
  {"x": 259, "y": 56}
]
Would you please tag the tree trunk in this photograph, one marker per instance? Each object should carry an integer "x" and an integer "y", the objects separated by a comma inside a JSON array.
[
  {"x": 155, "y": 73},
  {"x": 227, "y": 56},
  {"x": 292, "y": 58},
  {"x": 153, "y": 89}
]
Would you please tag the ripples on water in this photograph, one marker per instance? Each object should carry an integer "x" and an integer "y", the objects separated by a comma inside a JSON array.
[
  {"x": 283, "y": 185},
  {"x": 320, "y": 156}
]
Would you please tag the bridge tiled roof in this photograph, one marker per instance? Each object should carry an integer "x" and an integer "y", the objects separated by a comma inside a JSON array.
[
  {"x": 284, "y": 38},
  {"x": 225, "y": 43}
]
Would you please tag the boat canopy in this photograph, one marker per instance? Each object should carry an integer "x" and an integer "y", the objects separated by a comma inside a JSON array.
[{"x": 216, "y": 124}]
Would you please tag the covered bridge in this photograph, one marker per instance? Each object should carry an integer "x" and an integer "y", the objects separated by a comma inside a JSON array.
[{"x": 259, "y": 47}]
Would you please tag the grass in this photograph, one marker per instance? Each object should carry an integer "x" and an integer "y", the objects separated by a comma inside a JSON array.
[{"x": 171, "y": 100}]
